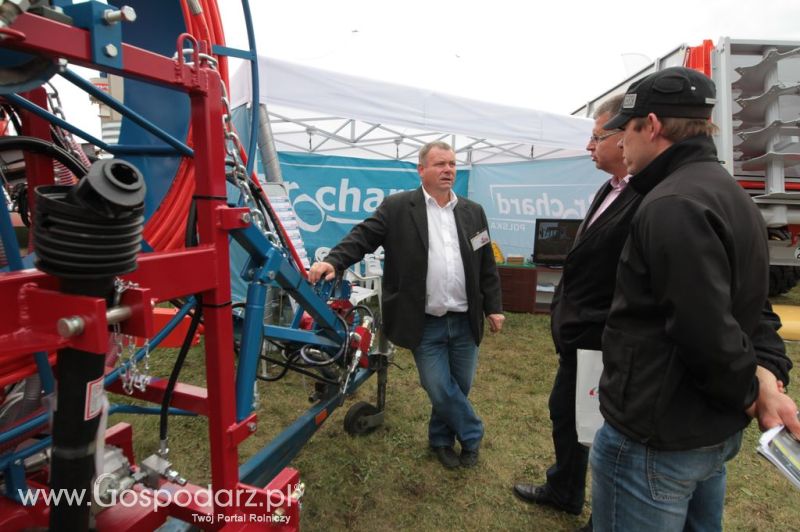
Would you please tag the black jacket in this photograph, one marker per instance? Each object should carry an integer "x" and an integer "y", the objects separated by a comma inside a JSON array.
[
  {"x": 580, "y": 305},
  {"x": 400, "y": 225},
  {"x": 689, "y": 301}
]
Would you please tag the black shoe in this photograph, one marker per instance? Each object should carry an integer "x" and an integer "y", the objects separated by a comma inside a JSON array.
[
  {"x": 447, "y": 456},
  {"x": 542, "y": 495},
  {"x": 469, "y": 458}
]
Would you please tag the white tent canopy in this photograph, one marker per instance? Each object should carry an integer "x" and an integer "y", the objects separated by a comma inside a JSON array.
[{"x": 338, "y": 114}]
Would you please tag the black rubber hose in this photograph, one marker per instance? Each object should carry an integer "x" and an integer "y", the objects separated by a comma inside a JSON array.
[
  {"x": 288, "y": 366},
  {"x": 190, "y": 240},
  {"x": 360, "y": 307},
  {"x": 14, "y": 117},
  {"x": 43, "y": 147},
  {"x": 163, "y": 424},
  {"x": 190, "y": 235}
]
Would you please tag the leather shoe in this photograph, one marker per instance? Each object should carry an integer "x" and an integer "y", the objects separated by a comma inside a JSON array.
[
  {"x": 542, "y": 495},
  {"x": 469, "y": 458},
  {"x": 447, "y": 456}
]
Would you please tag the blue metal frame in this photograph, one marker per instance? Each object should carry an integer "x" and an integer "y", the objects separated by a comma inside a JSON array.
[
  {"x": 269, "y": 264},
  {"x": 269, "y": 461},
  {"x": 89, "y": 16},
  {"x": 120, "y": 107},
  {"x": 251, "y": 39},
  {"x": 116, "y": 149}
]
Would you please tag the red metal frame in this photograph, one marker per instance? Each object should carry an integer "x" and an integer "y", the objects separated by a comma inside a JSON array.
[
  {"x": 699, "y": 57},
  {"x": 31, "y": 304}
]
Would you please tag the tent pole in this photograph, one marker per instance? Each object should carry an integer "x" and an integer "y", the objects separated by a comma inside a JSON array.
[{"x": 266, "y": 146}]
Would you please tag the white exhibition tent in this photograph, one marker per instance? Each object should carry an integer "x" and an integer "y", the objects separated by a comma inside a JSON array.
[{"x": 324, "y": 112}]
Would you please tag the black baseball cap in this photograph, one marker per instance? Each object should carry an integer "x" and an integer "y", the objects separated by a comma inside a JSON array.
[{"x": 676, "y": 91}]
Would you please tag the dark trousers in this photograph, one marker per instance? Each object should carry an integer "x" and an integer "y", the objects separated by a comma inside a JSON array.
[{"x": 567, "y": 477}]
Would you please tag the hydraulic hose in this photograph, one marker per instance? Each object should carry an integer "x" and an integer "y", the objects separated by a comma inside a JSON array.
[
  {"x": 36, "y": 145},
  {"x": 86, "y": 235},
  {"x": 163, "y": 429}
]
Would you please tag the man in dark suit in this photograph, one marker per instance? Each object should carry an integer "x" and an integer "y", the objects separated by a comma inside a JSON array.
[
  {"x": 579, "y": 310},
  {"x": 439, "y": 281}
]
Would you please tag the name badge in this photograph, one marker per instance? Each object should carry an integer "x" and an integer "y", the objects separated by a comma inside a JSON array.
[{"x": 479, "y": 240}]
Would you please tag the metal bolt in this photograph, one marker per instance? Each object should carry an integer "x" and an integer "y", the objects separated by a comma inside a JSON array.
[
  {"x": 71, "y": 326},
  {"x": 110, "y": 50},
  {"x": 299, "y": 491},
  {"x": 245, "y": 217},
  {"x": 123, "y": 14},
  {"x": 118, "y": 314},
  {"x": 251, "y": 426}
]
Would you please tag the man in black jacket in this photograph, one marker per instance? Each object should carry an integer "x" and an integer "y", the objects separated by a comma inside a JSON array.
[
  {"x": 439, "y": 281},
  {"x": 682, "y": 375},
  {"x": 579, "y": 310}
]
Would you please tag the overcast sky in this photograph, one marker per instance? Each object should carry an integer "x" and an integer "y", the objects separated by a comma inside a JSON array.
[{"x": 552, "y": 55}]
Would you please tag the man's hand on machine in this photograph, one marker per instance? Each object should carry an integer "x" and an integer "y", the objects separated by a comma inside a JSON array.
[{"x": 321, "y": 270}]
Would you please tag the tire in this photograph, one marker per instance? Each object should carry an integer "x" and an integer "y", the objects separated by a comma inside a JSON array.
[{"x": 355, "y": 422}]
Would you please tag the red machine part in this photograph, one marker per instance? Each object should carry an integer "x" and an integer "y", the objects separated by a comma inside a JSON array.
[
  {"x": 364, "y": 344},
  {"x": 163, "y": 276},
  {"x": 699, "y": 57}
]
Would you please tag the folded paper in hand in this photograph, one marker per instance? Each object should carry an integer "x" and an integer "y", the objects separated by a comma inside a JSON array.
[
  {"x": 783, "y": 450},
  {"x": 587, "y": 395}
]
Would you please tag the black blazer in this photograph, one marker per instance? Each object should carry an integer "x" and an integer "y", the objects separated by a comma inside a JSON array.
[
  {"x": 583, "y": 297},
  {"x": 400, "y": 225}
]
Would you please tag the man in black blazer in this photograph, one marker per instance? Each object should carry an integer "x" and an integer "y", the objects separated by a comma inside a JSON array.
[
  {"x": 579, "y": 310},
  {"x": 439, "y": 281}
]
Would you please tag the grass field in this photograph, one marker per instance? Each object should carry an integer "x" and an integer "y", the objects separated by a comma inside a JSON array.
[{"x": 388, "y": 480}]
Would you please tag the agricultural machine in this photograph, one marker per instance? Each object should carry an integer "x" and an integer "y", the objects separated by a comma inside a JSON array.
[{"x": 126, "y": 232}]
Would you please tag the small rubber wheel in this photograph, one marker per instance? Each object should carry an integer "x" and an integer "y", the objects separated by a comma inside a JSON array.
[{"x": 355, "y": 422}]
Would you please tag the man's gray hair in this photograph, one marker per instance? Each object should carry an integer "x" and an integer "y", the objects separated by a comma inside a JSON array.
[
  {"x": 611, "y": 106},
  {"x": 423, "y": 152}
]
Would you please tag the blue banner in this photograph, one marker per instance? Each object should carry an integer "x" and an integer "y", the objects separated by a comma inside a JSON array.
[
  {"x": 330, "y": 194},
  {"x": 515, "y": 194}
]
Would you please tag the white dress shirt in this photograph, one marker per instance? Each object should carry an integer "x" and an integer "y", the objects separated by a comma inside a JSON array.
[{"x": 445, "y": 285}]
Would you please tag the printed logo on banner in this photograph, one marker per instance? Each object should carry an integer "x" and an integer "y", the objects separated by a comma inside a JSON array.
[
  {"x": 330, "y": 194},
  {"x": 539, "y": 201},
  {"x": 514, "y": 195},
  {"x": 344, "y": 204}
]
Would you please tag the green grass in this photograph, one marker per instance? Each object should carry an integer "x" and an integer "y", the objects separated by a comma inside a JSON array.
[{"x": 388, "y": 480}]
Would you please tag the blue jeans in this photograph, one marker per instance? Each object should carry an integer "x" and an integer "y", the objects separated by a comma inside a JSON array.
[
  {"x": 446, "y": 359},
  {"x": 635, "y": 487}
]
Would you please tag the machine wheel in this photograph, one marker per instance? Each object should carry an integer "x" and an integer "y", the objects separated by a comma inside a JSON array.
[{"x": 355, "y": 421}]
